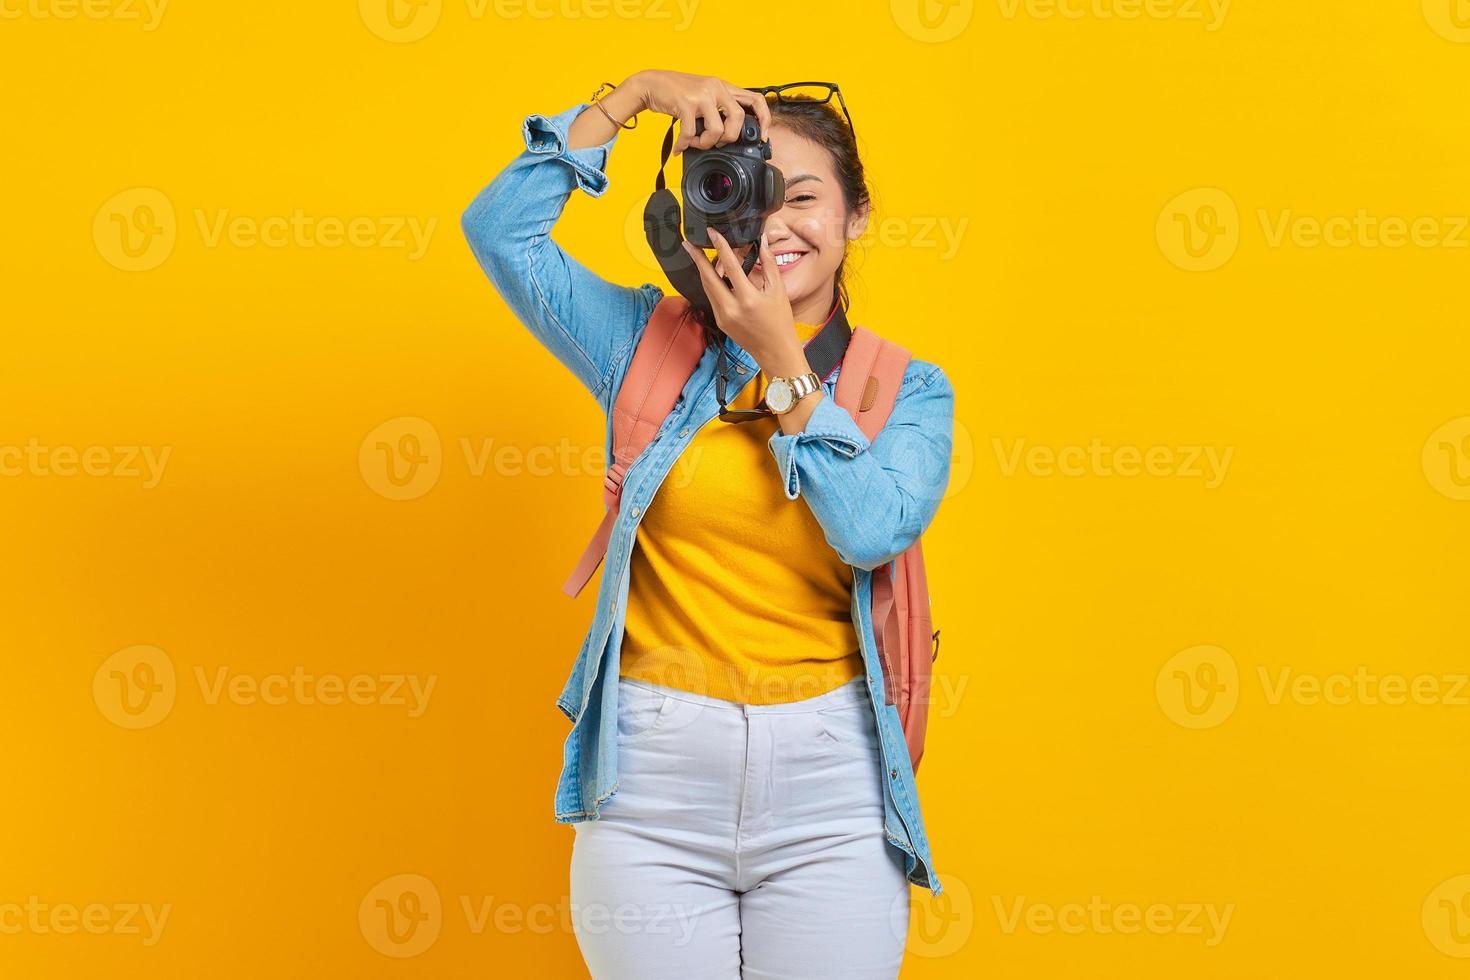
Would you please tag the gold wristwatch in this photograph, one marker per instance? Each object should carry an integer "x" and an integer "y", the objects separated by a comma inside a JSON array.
[{"x": 782, "y": 394}]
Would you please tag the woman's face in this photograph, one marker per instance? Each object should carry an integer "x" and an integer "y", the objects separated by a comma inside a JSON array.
[{"x": 812, "y": 228}]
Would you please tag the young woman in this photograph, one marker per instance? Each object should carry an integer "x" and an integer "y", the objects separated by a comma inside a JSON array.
[{"x": 743, "y": 800}]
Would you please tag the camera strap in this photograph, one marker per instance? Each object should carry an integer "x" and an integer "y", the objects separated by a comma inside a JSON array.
[{"x": 663, "y": 225}]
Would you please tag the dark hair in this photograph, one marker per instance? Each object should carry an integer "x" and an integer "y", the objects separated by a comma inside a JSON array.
[{"x": 821, "y": 123}]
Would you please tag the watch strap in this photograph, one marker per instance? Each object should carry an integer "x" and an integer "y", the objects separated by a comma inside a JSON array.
[
  {"x": 804, "y": 384},
  {"x": 801, "y": 385}
]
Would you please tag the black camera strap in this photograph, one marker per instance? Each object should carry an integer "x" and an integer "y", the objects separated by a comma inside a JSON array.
[{"x": 663, "y": 155}]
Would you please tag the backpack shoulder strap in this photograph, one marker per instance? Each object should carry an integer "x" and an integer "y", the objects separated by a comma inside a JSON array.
[
  {"x": 867, "y": 385},
  {"x": 872, "y": 371},
  {"x": 665, "y": 357}
]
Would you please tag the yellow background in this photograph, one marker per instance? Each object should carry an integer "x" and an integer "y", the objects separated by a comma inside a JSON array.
[{"x": 1066, "y": 151}]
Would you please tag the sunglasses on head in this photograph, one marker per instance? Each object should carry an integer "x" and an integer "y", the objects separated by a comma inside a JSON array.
[{"x": 819, "y": 92}]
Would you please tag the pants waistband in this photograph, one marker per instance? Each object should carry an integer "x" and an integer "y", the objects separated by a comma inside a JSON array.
[{"x": 854, "y": 691}]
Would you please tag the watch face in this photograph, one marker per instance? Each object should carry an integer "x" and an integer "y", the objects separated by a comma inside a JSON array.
[{"x": 778, "y": 395}]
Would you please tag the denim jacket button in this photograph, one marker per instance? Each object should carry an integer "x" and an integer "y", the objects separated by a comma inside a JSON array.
[
  {"x": 740, "y": 369},
  {"x": 635, "y": 511}
]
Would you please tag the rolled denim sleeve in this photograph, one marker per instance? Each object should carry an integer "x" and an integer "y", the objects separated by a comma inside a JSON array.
[
  {"x": 588, "y": 323},
  {"x": 873, "y": 498},
  {"x": 547, "y": 136}
]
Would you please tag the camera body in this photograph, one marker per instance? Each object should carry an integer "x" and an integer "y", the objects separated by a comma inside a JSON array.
[{"x": 731, "y": 188}]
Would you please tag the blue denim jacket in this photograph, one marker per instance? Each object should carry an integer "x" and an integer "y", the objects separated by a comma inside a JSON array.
[{"x": 872, "y": 499}]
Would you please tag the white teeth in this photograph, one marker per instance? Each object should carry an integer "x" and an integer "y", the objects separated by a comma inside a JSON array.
[{"x": 787, "y": 258}]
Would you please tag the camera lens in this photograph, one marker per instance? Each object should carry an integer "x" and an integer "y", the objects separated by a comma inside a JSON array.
[{"x": 716, "y": 186}]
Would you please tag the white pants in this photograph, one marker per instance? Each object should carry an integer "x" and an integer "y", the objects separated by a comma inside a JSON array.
[{"x": 744, "y": 842}]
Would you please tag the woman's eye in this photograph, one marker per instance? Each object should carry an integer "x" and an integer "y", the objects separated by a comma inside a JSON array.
[{"x": 802, "y": 197}]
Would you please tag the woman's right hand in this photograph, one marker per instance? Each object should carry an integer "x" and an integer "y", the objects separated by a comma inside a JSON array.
[{"x": 720, "y": 104}]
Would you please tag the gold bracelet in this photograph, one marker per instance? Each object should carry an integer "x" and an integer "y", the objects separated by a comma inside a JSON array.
[{"x": 593, "y": 100}]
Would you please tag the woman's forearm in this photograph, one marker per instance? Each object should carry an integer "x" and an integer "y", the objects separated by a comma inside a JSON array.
[
  {"x": 592, "y": 128},
  {"x": 588, "y": 323},
  {"x": 873, "y": 498}
]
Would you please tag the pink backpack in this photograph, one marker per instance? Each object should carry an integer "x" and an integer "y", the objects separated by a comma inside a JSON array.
[{"x": 867, "y": 387}]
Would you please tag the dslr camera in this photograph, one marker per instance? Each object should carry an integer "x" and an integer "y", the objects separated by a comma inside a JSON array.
[{"x": 731, "y": 188}]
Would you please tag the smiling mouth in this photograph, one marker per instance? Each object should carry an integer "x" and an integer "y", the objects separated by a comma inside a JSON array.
[{"x": 785, "y": 260}]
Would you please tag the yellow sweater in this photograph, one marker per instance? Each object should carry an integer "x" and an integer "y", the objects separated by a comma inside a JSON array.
[{"x": 734, "y": 592}]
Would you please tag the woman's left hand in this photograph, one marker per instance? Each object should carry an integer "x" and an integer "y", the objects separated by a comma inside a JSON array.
[{"x": 758, "y": 318}]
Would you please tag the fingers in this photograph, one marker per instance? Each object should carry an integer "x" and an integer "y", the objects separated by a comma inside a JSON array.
[
  {"x": 755, "y": 102},
  {"x": 703, "y": 104},
  {"x": 686, "y": 128},
  {"x": 714, "y": 286},
  {"x": 739, "y": 283},
  {"x": 714, "y": 126},
  {"x": 772, "y": 276},
  {"x": 722, "y": 107},
  {"x": 734, "y": 118}
]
